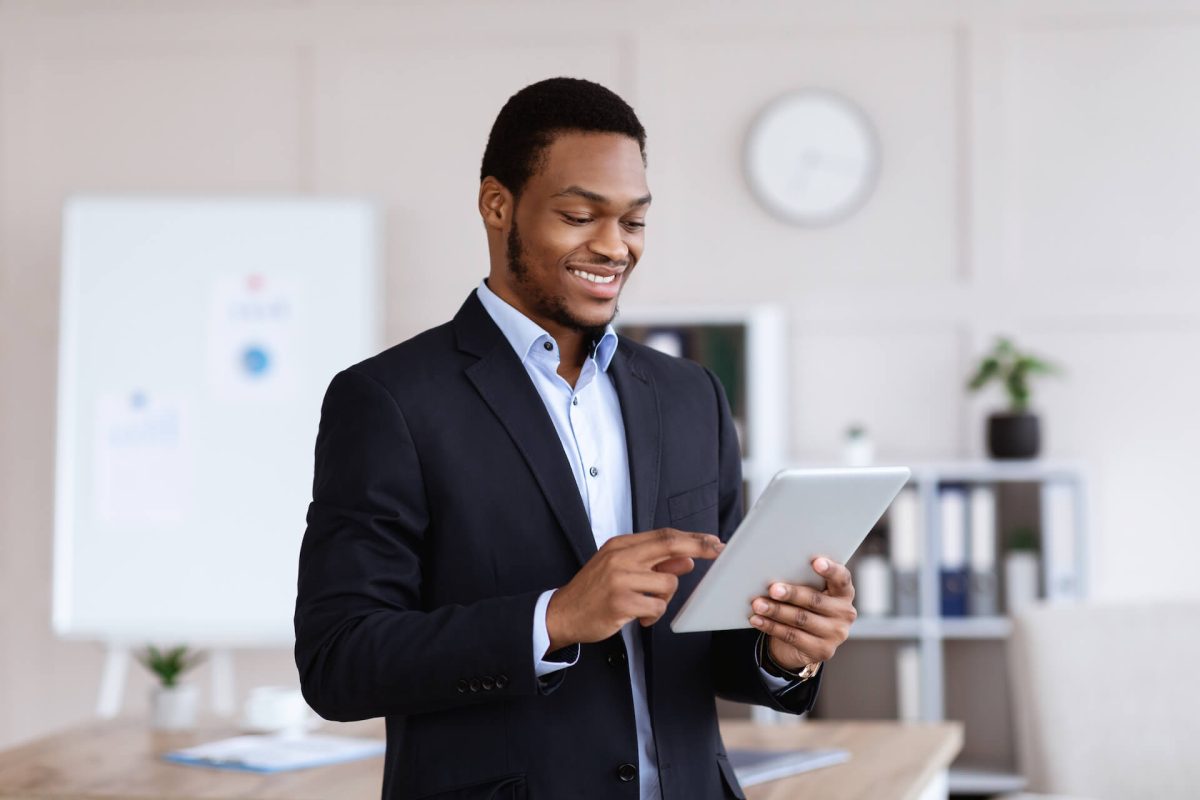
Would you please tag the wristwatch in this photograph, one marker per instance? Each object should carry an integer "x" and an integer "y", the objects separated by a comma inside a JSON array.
[{"x": 762, "y": 656}]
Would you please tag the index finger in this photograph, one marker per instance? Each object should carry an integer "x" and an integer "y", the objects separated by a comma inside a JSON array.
[
  {"x": 838, "y": 582},
  {"x": 652, "y": 547}
]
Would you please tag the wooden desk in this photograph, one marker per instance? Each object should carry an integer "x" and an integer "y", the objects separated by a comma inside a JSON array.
[{"x": 889, "y": 760}]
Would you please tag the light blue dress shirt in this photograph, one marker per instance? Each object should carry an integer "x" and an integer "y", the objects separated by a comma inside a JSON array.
[{"x": 588, "y": 420}]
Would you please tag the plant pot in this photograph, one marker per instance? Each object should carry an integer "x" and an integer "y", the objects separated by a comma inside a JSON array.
[
  {"x": 1013, "y": 435},
  {"x": 173, "y": 708},
  {"x": 1021, "y": 570}
]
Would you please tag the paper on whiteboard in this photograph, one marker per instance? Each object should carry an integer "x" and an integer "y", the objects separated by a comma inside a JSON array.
[
  {"x": 142, "y": 459},
  {"x": 252, "y": 353}
]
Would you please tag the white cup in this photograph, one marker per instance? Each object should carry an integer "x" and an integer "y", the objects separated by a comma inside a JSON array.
[{"x": 274, "y": 709}]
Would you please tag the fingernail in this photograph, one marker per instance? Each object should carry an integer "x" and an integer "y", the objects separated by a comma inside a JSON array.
[
  {"x": 778, "y": 591},
  {"x": 756, "y": 621},
  {"x": 822, "y": 565},
  {"x": 760, "y": 606}
]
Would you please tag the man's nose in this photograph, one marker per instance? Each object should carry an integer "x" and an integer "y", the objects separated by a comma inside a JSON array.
[{"x": 610, "y": 243}]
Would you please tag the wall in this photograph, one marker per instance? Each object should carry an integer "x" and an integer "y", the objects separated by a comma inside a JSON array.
[{"x": 1039, "y": 178}]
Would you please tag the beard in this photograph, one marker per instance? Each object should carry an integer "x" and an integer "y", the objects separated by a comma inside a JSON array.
[{"x": 542, "y": 303}]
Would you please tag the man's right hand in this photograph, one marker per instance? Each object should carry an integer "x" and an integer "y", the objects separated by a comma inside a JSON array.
[{"x": 633, "y": 576}]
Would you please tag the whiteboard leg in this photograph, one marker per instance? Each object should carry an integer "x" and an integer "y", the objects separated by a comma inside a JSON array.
[
  {"x": 112, "y": 681},
  {"x": 222, "y": 683}
]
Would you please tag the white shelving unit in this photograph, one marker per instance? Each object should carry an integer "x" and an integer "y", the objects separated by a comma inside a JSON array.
[{"x": 1063, "y": 557}]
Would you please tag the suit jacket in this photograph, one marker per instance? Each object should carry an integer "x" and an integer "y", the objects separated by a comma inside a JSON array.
[{"x": 443, "y": 505}]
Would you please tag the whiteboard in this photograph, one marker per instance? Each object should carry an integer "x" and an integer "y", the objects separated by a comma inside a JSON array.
[{"x": 197, "y": 338}]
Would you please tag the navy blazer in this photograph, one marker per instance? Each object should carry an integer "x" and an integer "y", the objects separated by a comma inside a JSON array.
[{"x": 443, "y": 506}]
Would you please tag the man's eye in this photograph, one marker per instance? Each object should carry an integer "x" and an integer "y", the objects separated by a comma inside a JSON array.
[
  {"x": 576, "y": 220},
  {"x": 635, "y": 226}
]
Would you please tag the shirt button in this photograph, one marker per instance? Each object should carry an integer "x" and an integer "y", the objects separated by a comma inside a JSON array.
[
  {"x": 626, "y": 772},
  {"x": 548, "y": 346},
  {"x": 593, "y": 472},
  {"x": 574, "y": 401}
]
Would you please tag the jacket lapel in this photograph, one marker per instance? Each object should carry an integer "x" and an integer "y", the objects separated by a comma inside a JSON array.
[
  {"x": 640, "y": 412},
  {"x": 501, "y": 380}
]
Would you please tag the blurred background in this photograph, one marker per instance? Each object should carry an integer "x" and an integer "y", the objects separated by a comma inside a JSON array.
[{"x": 1031, "y": 171}]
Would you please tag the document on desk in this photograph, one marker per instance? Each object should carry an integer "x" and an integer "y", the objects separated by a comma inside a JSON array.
[
  {"x": 753, "y": 767},
  {"x": 276, "y": 752}
]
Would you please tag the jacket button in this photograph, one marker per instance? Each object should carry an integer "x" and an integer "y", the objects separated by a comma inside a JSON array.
[
  {"x": 489, "y": 683},
  {"x": 616, "y": 659},
  {"x": 626, "y": 772},
  {"x": 501, "y": 681},
  {"x": 462, "y": 686},
  {"x": 474, "y": 684}
]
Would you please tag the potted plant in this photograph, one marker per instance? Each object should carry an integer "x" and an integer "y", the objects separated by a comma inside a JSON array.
[
  {"x": 172, "y": 704},
  {"x": 1013, "y": 433}
]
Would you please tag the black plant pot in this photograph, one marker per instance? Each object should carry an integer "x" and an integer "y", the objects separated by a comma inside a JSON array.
[{"x": 1013, "y": 435}]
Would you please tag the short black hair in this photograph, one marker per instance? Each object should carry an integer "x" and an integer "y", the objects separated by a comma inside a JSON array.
[{"x": 529, "y": 121}]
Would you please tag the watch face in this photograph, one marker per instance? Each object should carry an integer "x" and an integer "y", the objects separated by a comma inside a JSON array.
[{"x": 812, "y": 157}]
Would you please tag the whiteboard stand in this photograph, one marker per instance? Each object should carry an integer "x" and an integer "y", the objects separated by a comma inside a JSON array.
[
  {"x": 116, "y": 674},
  {"x": 112, "y": 681}
]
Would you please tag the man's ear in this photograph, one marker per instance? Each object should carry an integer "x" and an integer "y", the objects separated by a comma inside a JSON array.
[{"x": 495, "y": 204}]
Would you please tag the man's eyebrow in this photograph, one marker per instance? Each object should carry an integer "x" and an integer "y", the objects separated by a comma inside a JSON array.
[{"x": 586, "y": 194}]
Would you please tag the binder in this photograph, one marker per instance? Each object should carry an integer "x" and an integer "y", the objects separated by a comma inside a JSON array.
[
  {"x": 952, "y": 506},
  {"x": 984, "y": 588},
  {"x": 904, "y": 534}
]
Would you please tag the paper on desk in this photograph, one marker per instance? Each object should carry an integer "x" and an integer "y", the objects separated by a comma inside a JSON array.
[{"x": 276, "y": 752}]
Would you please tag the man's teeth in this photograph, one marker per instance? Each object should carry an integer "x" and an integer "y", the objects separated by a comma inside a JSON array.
[{"x": 588, "y": 276}]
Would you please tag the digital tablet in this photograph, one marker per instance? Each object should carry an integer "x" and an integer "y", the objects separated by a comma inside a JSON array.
[{"x": 802, "y": 514}]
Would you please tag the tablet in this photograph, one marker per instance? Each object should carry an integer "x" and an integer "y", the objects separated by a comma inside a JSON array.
[{"x": 802, "y": 514}]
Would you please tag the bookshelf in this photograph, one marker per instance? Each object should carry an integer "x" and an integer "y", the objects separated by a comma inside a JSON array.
[
  {"x": 955, "y": 667},
  {"x": 745, "y": 349}
]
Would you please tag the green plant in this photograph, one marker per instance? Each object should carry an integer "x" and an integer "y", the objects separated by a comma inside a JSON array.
[
  {"x": 169, "y": 665},
  {"x": 1024, "y": 539},
  {"x": 1011, "y": 367}
]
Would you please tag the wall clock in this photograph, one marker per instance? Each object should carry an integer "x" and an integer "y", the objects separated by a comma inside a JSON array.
[{"x": 812, "y": 157}]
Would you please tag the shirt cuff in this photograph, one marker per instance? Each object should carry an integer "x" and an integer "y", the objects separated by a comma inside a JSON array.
[
  {"x": 544, "y": 663},
  {"x": 775, "y": 684}
]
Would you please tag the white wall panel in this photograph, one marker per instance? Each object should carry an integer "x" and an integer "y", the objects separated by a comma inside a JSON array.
[
  {"x": 408, "y": 125},
  {"x": 723, "y": 246},
  {"x": 1127, "y": 407},
  {"x": 1102, "y": 130},
  {"x": 903, "y": 383}
]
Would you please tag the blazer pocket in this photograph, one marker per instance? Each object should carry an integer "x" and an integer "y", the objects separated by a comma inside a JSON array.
[
  {"x": 509, "y": 787},
  {"x": 693, "y": 501}
]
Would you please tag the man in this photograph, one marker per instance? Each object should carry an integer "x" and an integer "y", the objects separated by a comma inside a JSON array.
[{"x": 469, "y": 569}]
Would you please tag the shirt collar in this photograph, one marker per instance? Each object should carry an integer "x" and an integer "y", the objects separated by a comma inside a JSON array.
[{"x": 523, "y": 333}]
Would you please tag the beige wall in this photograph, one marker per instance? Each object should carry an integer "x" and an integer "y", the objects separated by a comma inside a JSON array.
[{"x": 1039, "y": 177}]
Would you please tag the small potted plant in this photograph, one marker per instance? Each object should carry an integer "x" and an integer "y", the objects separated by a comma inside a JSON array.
[
  {"x": 1013, "y": 433},
  {"x": 173, "y": 704}
]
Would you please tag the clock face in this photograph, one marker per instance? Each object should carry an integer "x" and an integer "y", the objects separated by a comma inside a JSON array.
[{"x": 812, "y": 158}]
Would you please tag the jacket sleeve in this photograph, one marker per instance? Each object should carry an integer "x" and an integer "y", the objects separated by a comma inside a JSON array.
[
  {"x": 365, "y": 644},
  {"x": 736, "y": 674}
]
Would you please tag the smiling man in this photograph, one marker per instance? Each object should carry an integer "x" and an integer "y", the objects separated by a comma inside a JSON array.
[{"x": 509, "y": 509}]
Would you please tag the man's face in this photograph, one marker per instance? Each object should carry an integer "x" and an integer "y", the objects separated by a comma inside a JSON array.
[{"x": 577, "y": 232}]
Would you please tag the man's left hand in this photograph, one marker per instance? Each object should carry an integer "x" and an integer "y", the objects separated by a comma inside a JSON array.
[{"x": 805, "y": 625}]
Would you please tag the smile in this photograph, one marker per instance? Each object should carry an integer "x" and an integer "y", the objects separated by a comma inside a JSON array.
[{"x": 588, "y": 276}]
